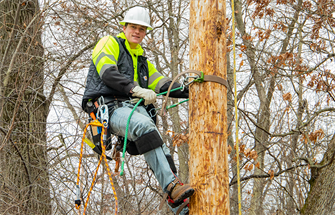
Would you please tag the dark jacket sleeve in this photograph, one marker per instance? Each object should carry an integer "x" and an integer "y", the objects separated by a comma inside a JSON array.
[
  {"x": 115, "y": 80},
  {"x": 177, "y": 93}
]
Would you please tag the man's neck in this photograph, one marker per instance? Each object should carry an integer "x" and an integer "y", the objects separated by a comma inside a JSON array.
[{"x": 133, "y": 45}]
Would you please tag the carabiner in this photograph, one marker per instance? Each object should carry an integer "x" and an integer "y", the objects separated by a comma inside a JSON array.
[
  {"x": 101, "y": 101},
  {"x": 103, "y": 115},
  {"x": 186, "y": 83}
]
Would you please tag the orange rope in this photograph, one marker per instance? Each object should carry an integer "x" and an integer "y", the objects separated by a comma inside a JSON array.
[
  {"x": 103, "y": 155},
  {"x": 92, "y": 185},
  {"x": 80, "y": 159},
  {"x": 109, "y": 175}
]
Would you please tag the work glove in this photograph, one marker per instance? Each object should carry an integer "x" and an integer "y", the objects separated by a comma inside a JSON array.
[{"x": 148, "y": 95}]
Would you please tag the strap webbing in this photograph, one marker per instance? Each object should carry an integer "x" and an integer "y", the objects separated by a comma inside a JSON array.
[{"x": 182, "y": 206}]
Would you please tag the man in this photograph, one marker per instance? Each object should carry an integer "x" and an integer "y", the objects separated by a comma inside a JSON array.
[{"x": 119, "y": 72}]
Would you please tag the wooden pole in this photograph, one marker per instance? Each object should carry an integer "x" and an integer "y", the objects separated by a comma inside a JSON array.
[{"x": 208, "y": 110}]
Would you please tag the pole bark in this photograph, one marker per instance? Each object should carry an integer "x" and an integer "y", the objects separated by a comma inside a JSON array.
[{"x": 208, "y": 110}]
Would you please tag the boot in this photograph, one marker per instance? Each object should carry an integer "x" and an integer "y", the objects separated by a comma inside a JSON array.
[{"x": 178, "y": 192}]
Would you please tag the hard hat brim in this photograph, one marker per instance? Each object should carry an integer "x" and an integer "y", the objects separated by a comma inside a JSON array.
[{"x": 137, "y": 22}]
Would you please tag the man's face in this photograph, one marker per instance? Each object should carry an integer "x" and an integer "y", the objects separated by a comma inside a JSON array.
[{"x": 134, "y": 34}]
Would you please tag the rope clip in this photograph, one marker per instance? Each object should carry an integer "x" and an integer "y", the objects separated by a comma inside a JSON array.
[
  {"x": 186, "y": 83},
  {"x": 103, "y": 115},
  {"x": 195, "y": 79}
]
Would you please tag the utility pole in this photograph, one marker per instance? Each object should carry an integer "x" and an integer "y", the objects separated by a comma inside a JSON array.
[{"x": 208, "y": 110}]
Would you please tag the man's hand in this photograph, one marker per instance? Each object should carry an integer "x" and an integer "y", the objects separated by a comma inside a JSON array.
[{"x": 148, "y": 95}]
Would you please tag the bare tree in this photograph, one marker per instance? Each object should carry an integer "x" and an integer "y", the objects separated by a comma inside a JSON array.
[
  {"x": 285, "y": 96},
  {"x": 285, "y": 60},
  {"x": 25, "y": 183}
]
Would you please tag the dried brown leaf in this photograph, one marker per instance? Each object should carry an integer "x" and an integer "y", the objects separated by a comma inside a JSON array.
[
  {"x": 229, "y": 149},
  {"x": 271, "y": 173}
]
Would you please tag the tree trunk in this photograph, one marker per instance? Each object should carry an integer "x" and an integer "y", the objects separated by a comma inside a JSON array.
[
  {"x": 207, "y": 110},
  {"x": 230, "y": 140},
  {"x": 23, "y": 159},
  {"x": 321, "y": 196},
  {"x": 174, "y": 40}
]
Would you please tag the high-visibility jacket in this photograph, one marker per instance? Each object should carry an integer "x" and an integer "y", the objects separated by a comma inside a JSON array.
[{"x": 116, "y": 68}]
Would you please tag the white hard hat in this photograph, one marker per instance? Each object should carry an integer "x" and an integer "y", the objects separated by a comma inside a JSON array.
[{"x": 139, "y": 16}]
